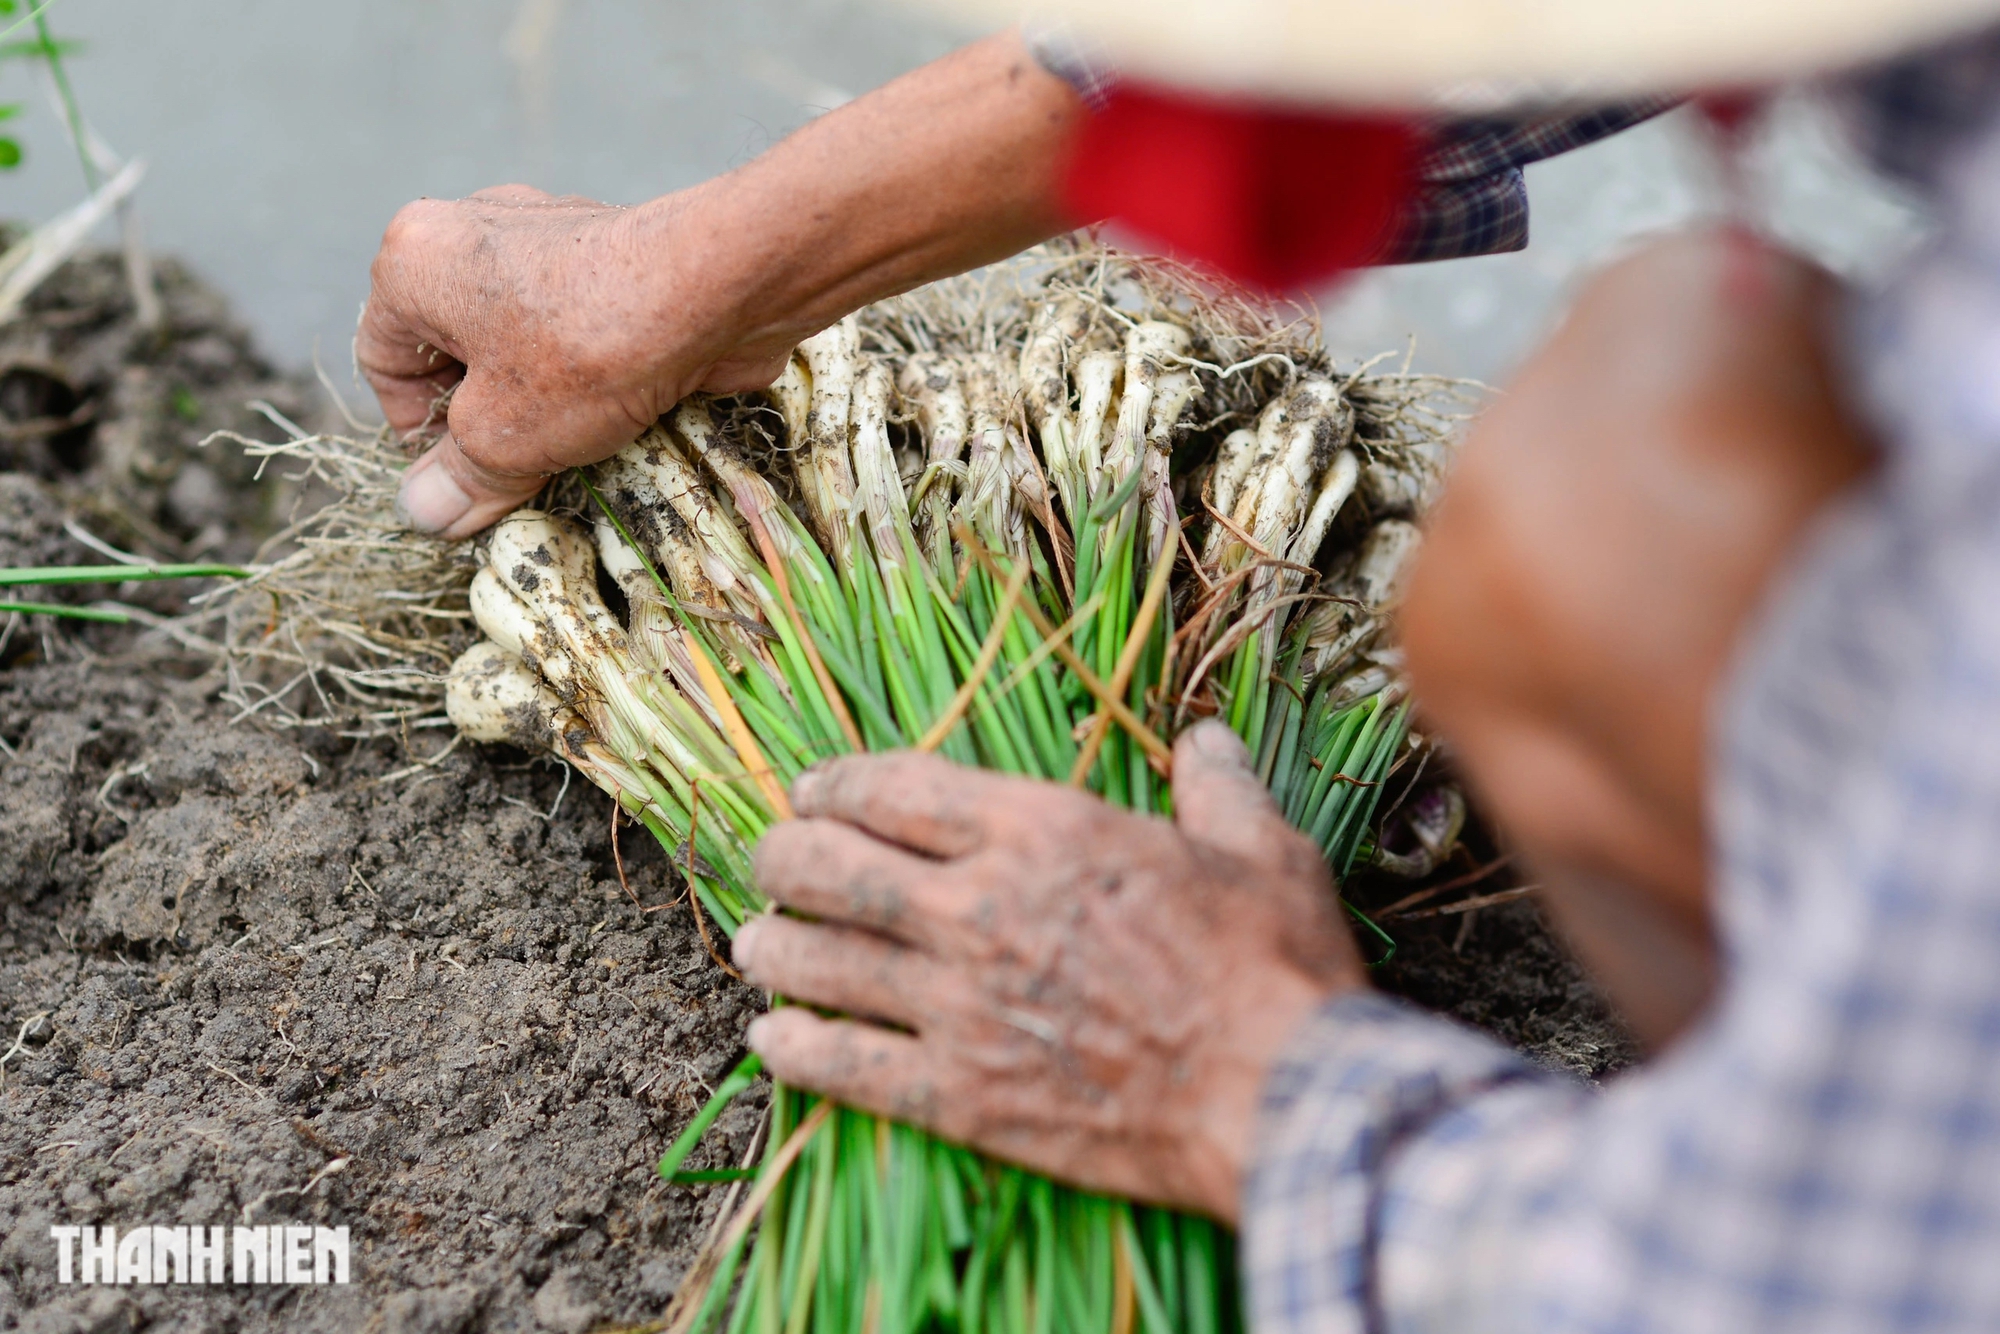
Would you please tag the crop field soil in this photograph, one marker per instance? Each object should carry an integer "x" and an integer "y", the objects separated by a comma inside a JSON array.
[{"x": 258, "y": 975}]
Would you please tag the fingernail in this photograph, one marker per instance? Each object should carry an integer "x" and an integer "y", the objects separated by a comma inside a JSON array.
[
  {"x": 741, "y": 948},
  {"x": 806, "y": 786},
  {"x": 1217, "y": 741},
  {"x": 429, "y": 500}
]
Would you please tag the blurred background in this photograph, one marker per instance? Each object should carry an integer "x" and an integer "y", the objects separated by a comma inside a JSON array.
[{"x": 281, "y": 138}]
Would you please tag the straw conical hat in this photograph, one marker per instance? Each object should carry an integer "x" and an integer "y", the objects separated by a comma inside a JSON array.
[{"x": 1488, "y": 51}]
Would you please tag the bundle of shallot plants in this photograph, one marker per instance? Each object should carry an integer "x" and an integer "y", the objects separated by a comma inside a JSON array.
[{"x": 1039, "y": 534}]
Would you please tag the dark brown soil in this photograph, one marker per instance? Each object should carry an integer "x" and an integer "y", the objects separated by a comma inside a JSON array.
[
  {"x": 1509, "y": 975},
  {"x": 297, "y": 978}
]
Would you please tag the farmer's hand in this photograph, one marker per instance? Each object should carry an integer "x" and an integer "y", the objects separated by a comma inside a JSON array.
[
  {"x": 547, "y": 316},
  {"x": 1092, "y": 993},
  {"x": 1612, "y": 526},
  {"x": 564, "y": 328},
  {"x": 569, "y": 326}
]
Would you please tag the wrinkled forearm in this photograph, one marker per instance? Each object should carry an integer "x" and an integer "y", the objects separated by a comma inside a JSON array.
[{"x": 949, "y": 167}]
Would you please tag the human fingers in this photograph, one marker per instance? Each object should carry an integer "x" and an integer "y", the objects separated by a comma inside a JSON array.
[
  {"x": 923, "y": 802},
  {"x": 837, "y": 968},
  {"x": 500, "y": 447},
  {"x": 747, "y": 369},
  {"x": 418, "y": 308},
  {"x": 840, "y": 873},
  {"x": 409, "y": 374},
  {"x": 446, "y": 494},
  {"x": 853, "y": 1063},
  {"x": 1220, "y": 801}
]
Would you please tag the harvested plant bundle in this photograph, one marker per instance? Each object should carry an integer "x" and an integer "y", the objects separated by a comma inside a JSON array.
[{"x": 1039, "y": 532}]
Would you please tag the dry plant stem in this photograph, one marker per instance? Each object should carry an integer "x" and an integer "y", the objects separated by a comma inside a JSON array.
[
  {"x": 982, "y": 667},
  {"x": 750, "y": 1152},
  {"x": 1471, "y": 877},
  {"x": 1235, "y": 637},
  {"x": 708, "y": 941},
  {"x": 618, "y": 857},
  {"x": 1468, "y": 905},
  {"x": 741, "y": 740},
  {"x": 694, "y": 899},
  {"x": 1237, "y": 531},
  {"x": 1194, "y": 560},
  {"x": 1124, "y": 1299},
  {"x": 1159, "y": 751},
  {"x": 687, "y": 1300},
  {"x": 43, "y": 251},
  {"x": 762, "y": 533},
  {"x": 1046, "y": 649},
  {"x": 1128, "y": 659}
]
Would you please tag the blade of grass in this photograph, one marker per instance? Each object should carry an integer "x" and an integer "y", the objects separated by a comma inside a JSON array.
[
  {"x": 821, "y": 1204},
  {"x": 51, "y": 54},
  {"x": 726, "y": 1092},
  {"x": 772, "y": 1173},
  {"x": 1162, "y": 1256},
  {"x": 718, "y": 1290},
  {"x": 982, "y": 666},
  {"x": 1374, "y": 929},
  {"x": 66, "y": 612},
  {"x": 1202, "y": 1277},
  {"x": 24, "y": 576}
]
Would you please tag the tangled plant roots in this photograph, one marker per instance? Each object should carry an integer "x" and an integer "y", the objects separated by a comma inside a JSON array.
[
  {"x": 1038, "y": 519},
  {"x": 349, "y": 618}
]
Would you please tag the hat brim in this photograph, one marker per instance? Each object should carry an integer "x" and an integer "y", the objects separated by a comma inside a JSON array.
[{"x": 1486, "y": 52}]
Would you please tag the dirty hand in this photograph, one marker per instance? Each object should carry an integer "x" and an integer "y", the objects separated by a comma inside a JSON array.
[
  {"x": 569, "y": 326},
  {"x": 1095, "y": 994},
  {"x": 1610, "y": 528},
  {"x": 559, "y": 325}
]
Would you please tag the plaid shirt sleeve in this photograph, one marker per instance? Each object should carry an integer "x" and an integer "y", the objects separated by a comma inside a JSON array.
[
  {"x": 1823, "y": 1152},
  {"x": 1366, "y": 1084},
  {"x": 1472, "y": 198}
]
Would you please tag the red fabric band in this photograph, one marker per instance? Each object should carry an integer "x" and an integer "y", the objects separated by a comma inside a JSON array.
[{"x": 1273, "y": 197}]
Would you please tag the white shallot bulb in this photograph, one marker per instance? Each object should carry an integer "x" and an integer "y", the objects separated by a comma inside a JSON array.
[{"x": 491, "y": 695}]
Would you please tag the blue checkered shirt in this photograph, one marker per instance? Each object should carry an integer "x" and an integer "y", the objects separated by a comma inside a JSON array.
[{"x": 1823, "y": 1151}]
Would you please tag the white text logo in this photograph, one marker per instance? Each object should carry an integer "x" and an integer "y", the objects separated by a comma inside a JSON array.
[{"x": 275, "y": 1254}]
